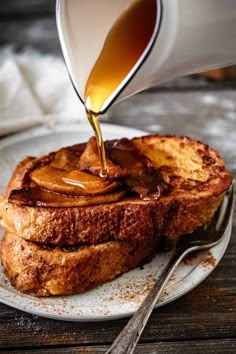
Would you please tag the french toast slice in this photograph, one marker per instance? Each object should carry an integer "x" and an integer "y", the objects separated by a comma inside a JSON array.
[
  {"x": 195, "y": 176},
  {"x": 42, "y": 270}
]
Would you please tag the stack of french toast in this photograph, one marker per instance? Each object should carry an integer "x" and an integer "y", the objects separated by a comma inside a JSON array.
[{"x": 70, "y": 229}]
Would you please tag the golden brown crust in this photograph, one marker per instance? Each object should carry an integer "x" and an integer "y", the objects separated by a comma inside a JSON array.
[
  {"x": 196, "y": 173},
  {"x": 42, "y": 271},
  {"x": 121, "y": 221}
]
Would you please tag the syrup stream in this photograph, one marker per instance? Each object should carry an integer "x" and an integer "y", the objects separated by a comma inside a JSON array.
[
  {"x": 123, "y": 46},
  {"x": 93, "y": 119}
]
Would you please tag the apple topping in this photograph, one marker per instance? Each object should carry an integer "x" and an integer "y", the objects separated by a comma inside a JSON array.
[
  {"x": 74, "y": 182},
  {"x": 38, "y": 197},
  {"x": 90, "y": 161}
]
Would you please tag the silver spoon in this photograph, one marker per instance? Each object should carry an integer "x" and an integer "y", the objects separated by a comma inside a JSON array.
[{"x": 205, "y": 238}]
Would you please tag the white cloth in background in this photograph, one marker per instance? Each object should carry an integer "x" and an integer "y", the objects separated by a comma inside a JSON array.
[{"x": 35, "y": 89}]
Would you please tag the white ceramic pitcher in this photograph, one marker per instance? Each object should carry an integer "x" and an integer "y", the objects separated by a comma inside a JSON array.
[{"x": 190, "y": 36}]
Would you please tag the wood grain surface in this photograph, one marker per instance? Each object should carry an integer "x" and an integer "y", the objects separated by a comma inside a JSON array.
[{"x": 202, "y": 321}]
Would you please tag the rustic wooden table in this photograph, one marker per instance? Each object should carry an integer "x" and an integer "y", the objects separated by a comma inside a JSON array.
[{"x": 204, "y": 320}]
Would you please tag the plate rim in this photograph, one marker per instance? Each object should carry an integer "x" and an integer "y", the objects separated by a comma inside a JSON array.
[
  {"x": 102, "y": 318},
  {"x": 60, "y": 127},
  {"x": 69, "y": 128}
]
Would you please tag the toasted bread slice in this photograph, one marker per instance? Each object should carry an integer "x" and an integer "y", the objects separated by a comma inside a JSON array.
[
  {"x": 42, "y": 270},
  {"x": 194, "y": 172}
]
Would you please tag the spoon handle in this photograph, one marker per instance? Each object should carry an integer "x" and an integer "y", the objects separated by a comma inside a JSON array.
[{"x": 127, "y": 340}]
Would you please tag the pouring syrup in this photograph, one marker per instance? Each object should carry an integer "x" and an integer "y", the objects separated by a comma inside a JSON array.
[{"x": 123, "y": 46}]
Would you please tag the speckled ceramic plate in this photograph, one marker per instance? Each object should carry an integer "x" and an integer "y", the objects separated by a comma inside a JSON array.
[{"x": 122, "y": 296}]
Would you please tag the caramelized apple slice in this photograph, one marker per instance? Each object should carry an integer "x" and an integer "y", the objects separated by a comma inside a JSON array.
[
  {"x": 90, "y": 161},
  {"x": 73, "y": 182},
  {"x": 65, "y": 159},
  {"x": 68, "y": 158},
  {"x": 37, "y": 197}
]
